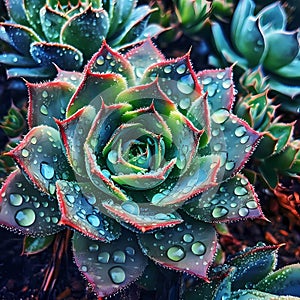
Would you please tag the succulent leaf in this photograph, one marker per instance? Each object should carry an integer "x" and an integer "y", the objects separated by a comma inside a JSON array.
[
  {"x": 41, "y": 156},
  {"x": 258, "y": 295},
  {"x": 26, "y": 209},
  {"x": 109, "y": 267},
  {"x": 188, "y": 246},
  {"x": 35, "y": 245},
  {"x": 80, "y": 211},
  {"x": 48, "y": 101},
  {"x": 214, "y": 206}
]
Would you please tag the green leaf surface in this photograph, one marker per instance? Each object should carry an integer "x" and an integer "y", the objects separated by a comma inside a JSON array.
[
  {"x": 35, "y": 245},
  {"x": 109, "y": 267}
]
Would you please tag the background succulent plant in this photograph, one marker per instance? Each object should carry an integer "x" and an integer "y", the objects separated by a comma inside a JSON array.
[
  {"x": 250, "y": 274},
  {"x": 139, "y": 141},
  {"x": 67, "y": 33},
  {"x": 262, "y": 40}
]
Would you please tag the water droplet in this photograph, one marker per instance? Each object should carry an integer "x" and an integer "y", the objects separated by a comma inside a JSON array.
[
  {"x": 188, "y": 238},
  {"x": 240, "y": 191},
  {"x": 185, "y": 103},
  {"x": 130, "y": 251},
  {"x": 181, "y": 69},
  {"x": 226, "y": 84},
  {"x": 139, "y": 72},
  {"x": 159, "y": 235},
  {"x": 212, "y": 89},
  {"x": 217, "y": 147},
  {"x": 176, "y": 253},
  {"x": 240, "y": 131},
  {"x": 119, "y": 257},
  {"x": 220, "y": 75},
  {"x": 207, "y": 80},
  {"x": 93, "y": 220},
  {"x": 100, "y": 60},
  {"x": 251, "y": 204},
  {"x": 33, "y": 140},
  {"x": 46, "y": 170},
  {"x": 25, "y": 217},
  {"x": 70, "y": 198},
  {"x": 103, "y": 257},
  {"x": 84, "y": 268},
  {"x": 198, "y": 248},
  {"x": 44, "y": 110},
  {"x": 25, "y": 153},
  {"x": 131, "y": 207},
  {"x": 229, "y": 165},
  {"x": 117, "y": 275},
  {"x": 219, "y": 212},
  {"x": 44, "y": 94},
  {"x": 112, "y": 156},
  {"x": 220, "y": 116},
  {"x": 157, "y": 197},
  {"x": 167, "y": 69},
  {"x": 186, "y": 84},
  {"x": 15, "y": 199},
  {"x": 243, "y": 212},
  {"x": 93, "y": 247}
]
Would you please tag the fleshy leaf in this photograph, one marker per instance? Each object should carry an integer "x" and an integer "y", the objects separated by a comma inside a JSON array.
[
  {"x": 64, "y": 56},
  {"x": 35, "y": 245},
  {"x": 258, "y": 295},
  {"x": 219, "y": 87},
  {"x": 71, "y": 77},
  {"x": 233, "y": 140},
  {"x": 52, "y": 22},
  {"x": 141, "y": 216},
  {"x": 41, "y": 156},
  {"x": 232, "y": 200},
  {"x": 26, "y": 209},
  {"x": 94, "y": 87},
  {"x": 107, "y": 60},
  {"x": 19, "y": 36},
  {"x": 188, "y": 247},
  {"x": 47, "y": 101},
  {"x": 177, "y": 80},
  {"x": 86, "y": 30},
  {"x": 253, "y": 265},
  {"x": 285, "y": 281},
  {"x": 143, "y": 56},
  {"x": 109, "y": 267},
  {"x": 16, "y": 60},
  {"x": 16, "y": 11},
  {"x": 199, "y": 177},
  {"x": 79, "y": 210},
  {"x": 74, "y": 132}
]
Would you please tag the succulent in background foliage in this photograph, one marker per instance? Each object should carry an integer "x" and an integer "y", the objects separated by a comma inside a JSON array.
[
  {"x": 135, "y": 142},
  {"x": 262, "y": 41},
  {"x": 278, "y": 153},
  {"x": 250, "y": 274},
  {"x": 67, "y": 33}
]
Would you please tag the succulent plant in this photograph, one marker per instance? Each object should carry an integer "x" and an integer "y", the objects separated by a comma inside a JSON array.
[
  {"x": 262, "y": 41},
  {"x": 138, "y": 155},
  {"x": 277, "y": 155},
  {"x": 67, "y": 33},
  {"x": 250, "y": 274}
]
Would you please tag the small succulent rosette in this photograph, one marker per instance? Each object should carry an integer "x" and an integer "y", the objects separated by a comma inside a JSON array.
[
  {"x": 67, "y": 33},
  {"x": 140, "y": 156}
]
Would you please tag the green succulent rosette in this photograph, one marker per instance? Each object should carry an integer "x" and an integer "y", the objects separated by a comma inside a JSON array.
[
  {"x": 262, "y": 40},
  {"x": 140, "y": 156},
  {"x": 67, "y": 33}
]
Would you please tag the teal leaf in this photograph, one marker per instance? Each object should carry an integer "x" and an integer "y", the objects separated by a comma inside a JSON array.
[
  {"x": 189, "y": 247},
  {"x": 25, "y": 209},
  {"x": 281, "y": 49},
  {"x": 74, "y": 132},
  {"x": 291, "y": 70},
  {"x": 109, "y": 267},
  {"x": 36, "y": 73},
  {"x": 142, "y": 57},
  {"x": 52, "y": 22},
  {"x": 71, "y": 77},
  {"x": 141, "y": 217},
  {"x": 177, "y": 80},
  {"x": 16, "y": 60},
  {"x": 232, "y": 200},
  {"x": 219, "y": 87},
  {"x": 258, "y": 295},
  {"x": 94, "y": 88},
  {"x": 48, "y": 101},
  {"x": 285, "y": 281},
  {"x": 40, "y": 155},
  {"x": 107, "y": 60},
  {"x": 86, "y": 31},
  {"x": 20, "y": 37},
  {"x": 35, "y": 245},
  {"x": 16, "y": 11},
  {"x": 64, "y": 56},
  {"x": 79, "y": 210},
  {"x": 200, "y": 176}
]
